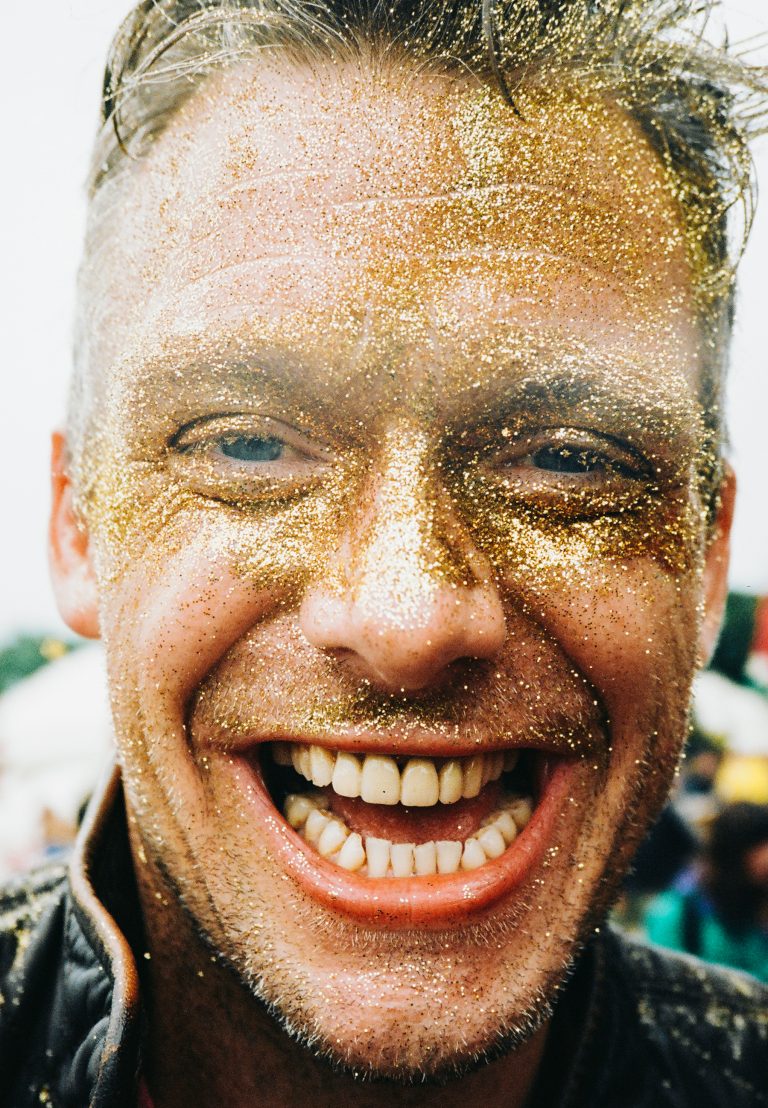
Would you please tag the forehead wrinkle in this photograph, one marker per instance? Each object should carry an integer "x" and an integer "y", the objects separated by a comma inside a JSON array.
[
  {"x": 520, "y": 190},
  {"x": 513, "y": 253},
  {"x": 455, "y": 192},
  {"x": 240, "y": 267},
  {"x": 313, "y": 261},
  {"x": 238, "y": 188}
]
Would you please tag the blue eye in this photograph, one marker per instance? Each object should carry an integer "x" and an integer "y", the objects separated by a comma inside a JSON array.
[{"x": 253, "y": 448}]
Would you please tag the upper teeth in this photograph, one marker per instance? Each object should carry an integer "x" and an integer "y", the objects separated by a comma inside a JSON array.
[{"x": 378, "y": 779}]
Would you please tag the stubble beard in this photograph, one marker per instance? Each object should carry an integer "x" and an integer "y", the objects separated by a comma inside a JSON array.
[
  {"x": 403, "y": 1056},
  {"x": 404, "y": 1051}
]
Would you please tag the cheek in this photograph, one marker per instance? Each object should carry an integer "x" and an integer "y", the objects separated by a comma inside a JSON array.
[
  {"x": 628, "y": 629},
  {"x": 194, "y": 586},
  {"x": 631, "y": 635},
  {"x": 629, "y": 625},
  {"x": 619, "y": 594}
]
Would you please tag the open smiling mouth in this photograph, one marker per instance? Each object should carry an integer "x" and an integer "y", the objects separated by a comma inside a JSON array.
[
  {"x": 382, "y": 817},
  {"x": 400, "y": 838}
]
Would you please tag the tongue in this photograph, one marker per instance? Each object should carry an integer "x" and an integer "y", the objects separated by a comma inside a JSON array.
[{"x": 416, "y": 825}]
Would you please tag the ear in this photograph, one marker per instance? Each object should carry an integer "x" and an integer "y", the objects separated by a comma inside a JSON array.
[
  {"x": 715, "y": 577},
  {"x": 74, "y": 581}
]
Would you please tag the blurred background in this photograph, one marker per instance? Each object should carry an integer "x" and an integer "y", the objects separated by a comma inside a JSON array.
[{"x": 54, "y": 719}]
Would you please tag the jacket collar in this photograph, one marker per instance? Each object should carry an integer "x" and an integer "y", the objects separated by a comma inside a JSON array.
[{"x": 101, "y": 880}]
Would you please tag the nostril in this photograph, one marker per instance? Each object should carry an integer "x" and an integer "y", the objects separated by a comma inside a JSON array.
[{"x": 405, "y": 651}]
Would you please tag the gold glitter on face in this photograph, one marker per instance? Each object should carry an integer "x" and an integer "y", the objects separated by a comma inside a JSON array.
[{"x": 394, "y": 438}]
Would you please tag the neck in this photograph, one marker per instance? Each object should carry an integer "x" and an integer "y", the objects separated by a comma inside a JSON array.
[{"x": 211, "y": 1042}]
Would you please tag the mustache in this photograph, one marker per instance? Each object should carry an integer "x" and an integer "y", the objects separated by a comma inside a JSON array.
[{"x": 272, "y": 683}]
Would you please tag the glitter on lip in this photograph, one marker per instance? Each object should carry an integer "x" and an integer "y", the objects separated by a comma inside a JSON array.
[{"x": 411, "y": 741}]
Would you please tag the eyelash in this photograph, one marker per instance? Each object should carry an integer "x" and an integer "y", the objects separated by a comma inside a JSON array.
[{"x": 600, "y": 455}]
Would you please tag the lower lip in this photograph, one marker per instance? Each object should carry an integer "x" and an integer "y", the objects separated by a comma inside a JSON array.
[{"x": 405, "y": 902}]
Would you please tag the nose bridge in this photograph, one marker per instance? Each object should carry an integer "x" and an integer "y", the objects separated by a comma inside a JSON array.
[
  {"x": 407, "y": 543},
  {"x": 406, "y": 592}
]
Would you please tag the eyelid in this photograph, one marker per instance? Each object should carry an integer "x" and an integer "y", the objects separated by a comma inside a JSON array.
[
  {"x": 617, "y": 451},
  {"x": 207, "y": 430}
]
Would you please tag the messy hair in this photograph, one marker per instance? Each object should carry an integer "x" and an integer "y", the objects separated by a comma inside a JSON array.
[{"x": 698, "y": 104}]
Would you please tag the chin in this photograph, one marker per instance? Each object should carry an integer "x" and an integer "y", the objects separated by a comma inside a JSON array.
[
  {"x": 408, "y": 1008},
  {"x": 415, "y": 1043}
]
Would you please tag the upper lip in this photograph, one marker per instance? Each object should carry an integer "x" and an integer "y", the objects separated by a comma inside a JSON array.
[{"x": 412, "y": 743}]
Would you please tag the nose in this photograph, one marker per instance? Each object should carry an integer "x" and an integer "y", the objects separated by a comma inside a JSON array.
[{"x": 406, "y": 592}]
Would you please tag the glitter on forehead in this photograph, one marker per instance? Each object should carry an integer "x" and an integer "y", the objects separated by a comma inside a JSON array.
[
  {"x": 384, "y": 314},
  {"x": 697, "y": 103}
]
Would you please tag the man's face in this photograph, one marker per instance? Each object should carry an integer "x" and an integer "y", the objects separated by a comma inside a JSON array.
[{"x": 395, "y": 456}]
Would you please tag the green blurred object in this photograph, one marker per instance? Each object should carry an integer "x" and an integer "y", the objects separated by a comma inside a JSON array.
[
  {"x": 735, "y": 640},
  {"x": 27, "y": 653},
  {"x": 700, "y": 742}
]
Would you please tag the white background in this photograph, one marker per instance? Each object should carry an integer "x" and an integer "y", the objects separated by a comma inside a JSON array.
[{"x": 50, "y": 81}]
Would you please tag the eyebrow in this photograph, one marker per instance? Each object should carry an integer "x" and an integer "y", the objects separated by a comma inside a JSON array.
[
  {"x": 630, "y": 411},
  {"x": 612, "y": 390},
  {"x": 194, "y": 372}
]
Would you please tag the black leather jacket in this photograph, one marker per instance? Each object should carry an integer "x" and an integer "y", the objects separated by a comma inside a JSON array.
[{"x": 634, "y": 1027}]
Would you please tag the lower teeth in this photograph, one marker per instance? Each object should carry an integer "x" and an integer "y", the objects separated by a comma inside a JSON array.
[{"x": 372, "y": 857}]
